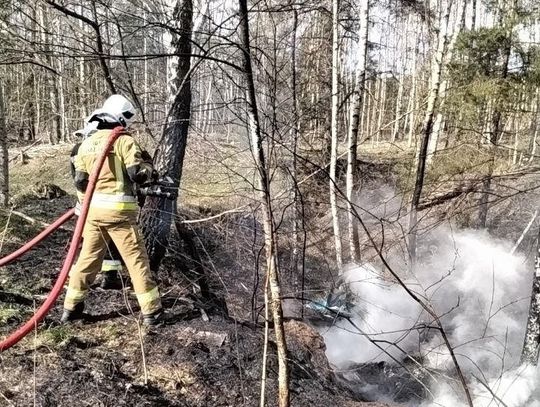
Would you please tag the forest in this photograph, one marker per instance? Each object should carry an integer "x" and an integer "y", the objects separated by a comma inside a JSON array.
[{"x": 352, "y": 213}]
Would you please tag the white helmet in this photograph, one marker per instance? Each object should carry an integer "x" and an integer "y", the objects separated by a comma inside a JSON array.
[
  {"x": 116, "y": 109},
  {"x": 87, "y": 131}
]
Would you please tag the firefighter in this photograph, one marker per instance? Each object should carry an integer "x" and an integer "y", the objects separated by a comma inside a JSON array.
[
  {"x": 112, "y": 263},
  {"x": 113, "y": 212}
]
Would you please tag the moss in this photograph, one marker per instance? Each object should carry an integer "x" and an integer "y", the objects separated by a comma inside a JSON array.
[
  {"x": 7, "y": 313},
  {"x": 56, "y": 335}
]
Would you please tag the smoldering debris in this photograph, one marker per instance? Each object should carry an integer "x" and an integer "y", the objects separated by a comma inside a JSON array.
[
  {"x": 382, "y": 381},
  {"x": 481, "y": 293}
]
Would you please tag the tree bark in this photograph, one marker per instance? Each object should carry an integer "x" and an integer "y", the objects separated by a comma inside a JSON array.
[
  {"x": 473, "y": 15},
  {"x": 4, "y": 159},
  {"x": 413, "y": 104},
  {"x": 439, "y": 121},
  {"x": 382, "y": 107},
  {"x": 355, "y": 110},
  {"x": 536, "y": 125},
  {"x": 531, "y": 343},
  {"x": 427, "y": 128},
  {"x": 158, "y": 212}
]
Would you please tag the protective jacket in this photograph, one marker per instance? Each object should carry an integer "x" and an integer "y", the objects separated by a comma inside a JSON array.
[
  {"x": 112, "y": 260},
  {"x": 123, "y": 167}
]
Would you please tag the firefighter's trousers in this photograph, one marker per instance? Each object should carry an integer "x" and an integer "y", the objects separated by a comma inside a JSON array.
[{"x": 120, "y": 227}]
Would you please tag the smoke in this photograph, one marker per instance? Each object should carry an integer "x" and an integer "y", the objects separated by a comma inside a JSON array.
[{"x": 482, "y": 294}]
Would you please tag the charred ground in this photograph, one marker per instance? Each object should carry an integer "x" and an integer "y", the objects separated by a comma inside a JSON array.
[{"x": 110, "y": 360}]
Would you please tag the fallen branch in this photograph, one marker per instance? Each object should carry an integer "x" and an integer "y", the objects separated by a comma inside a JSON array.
[
  {"x": 33, "y": 221},
  {"x": 24, "y": 150},
  {"x": 239, "y": 209},
  {"x": 447, "y": 196},
  {"x": 14, "y": 298}
]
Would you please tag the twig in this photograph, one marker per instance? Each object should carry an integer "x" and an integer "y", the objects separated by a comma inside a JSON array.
[
  {"x": 5, "y": 231},
  {"x": 490, "y": 391},
  {"x": 5, "y": 398},
  {"x": 524, "y": 232},
  {"x": 143, "y": 354}
]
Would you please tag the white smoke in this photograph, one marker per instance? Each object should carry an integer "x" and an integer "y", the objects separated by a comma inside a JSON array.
[{"x": 482, "y": 294}]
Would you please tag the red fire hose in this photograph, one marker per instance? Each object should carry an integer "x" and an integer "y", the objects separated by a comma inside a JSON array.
[
  {"x": 36, "y": 240},
  {"x": 70, "y": 257}
]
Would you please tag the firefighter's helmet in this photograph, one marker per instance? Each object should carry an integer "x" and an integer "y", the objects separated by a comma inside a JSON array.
[{"x": 116, "y": 109}]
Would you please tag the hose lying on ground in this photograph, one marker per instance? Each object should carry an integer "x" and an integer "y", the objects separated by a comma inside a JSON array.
[
  {"x": 38, "y": 239},
  {"x": 70, "y": 257}
]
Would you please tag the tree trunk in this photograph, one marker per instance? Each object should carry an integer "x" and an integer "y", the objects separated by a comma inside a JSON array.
[
  {"x": 376, "y": 97},
  {"x": 382, "y": 108},
  {"x": 536, "y": 126},
  {"x": 4, "y": 159},
  {"x": 427, "y": 128},
  {"x": 473, "y": 15},
  {"x": 439, "y": 121},
  {"x": 412, "y": 106},
  {"x": 270, "y": 237},
  {"x": 334, "y": 135},
  {"x": 355, "y": 110},
  {"x": 158, "y": 212},
  {"x": 51, "y": 82},
  {"x": 298, "y": 220},
  {"x": 531, "y": 343},
  {"x": 369, "y": 101},
  {"x": 397, "y": 116}
]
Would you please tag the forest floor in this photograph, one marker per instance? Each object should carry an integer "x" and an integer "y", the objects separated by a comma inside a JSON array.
[{"x": 109, "y": 359}]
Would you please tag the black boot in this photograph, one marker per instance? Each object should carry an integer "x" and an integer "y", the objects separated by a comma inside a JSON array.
[
  {"x": 154, "y": 319},
  {"x": 69, "y": 316},
  {"x": 111, "y": 280}
]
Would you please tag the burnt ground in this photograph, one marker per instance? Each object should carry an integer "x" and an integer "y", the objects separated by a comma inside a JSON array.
[
  {"x": 188, "y": 362},
  {"x": 110, "y": 360}
]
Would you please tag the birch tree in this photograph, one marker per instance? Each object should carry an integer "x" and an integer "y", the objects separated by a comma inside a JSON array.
[
  {"x": 270, "y": 237},
  {"x": 4, "y": 158},
  {"x": 354, "y": 122},
  {"x": 442, "y": 91},
  {"x": 334, "y": 135},
  {"x": 427, "y": 127}
]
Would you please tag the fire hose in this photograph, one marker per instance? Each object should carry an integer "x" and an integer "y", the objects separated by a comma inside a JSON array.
[
  {"x": 38, "y": 239},
  {"x": 70, "y": 257}
]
